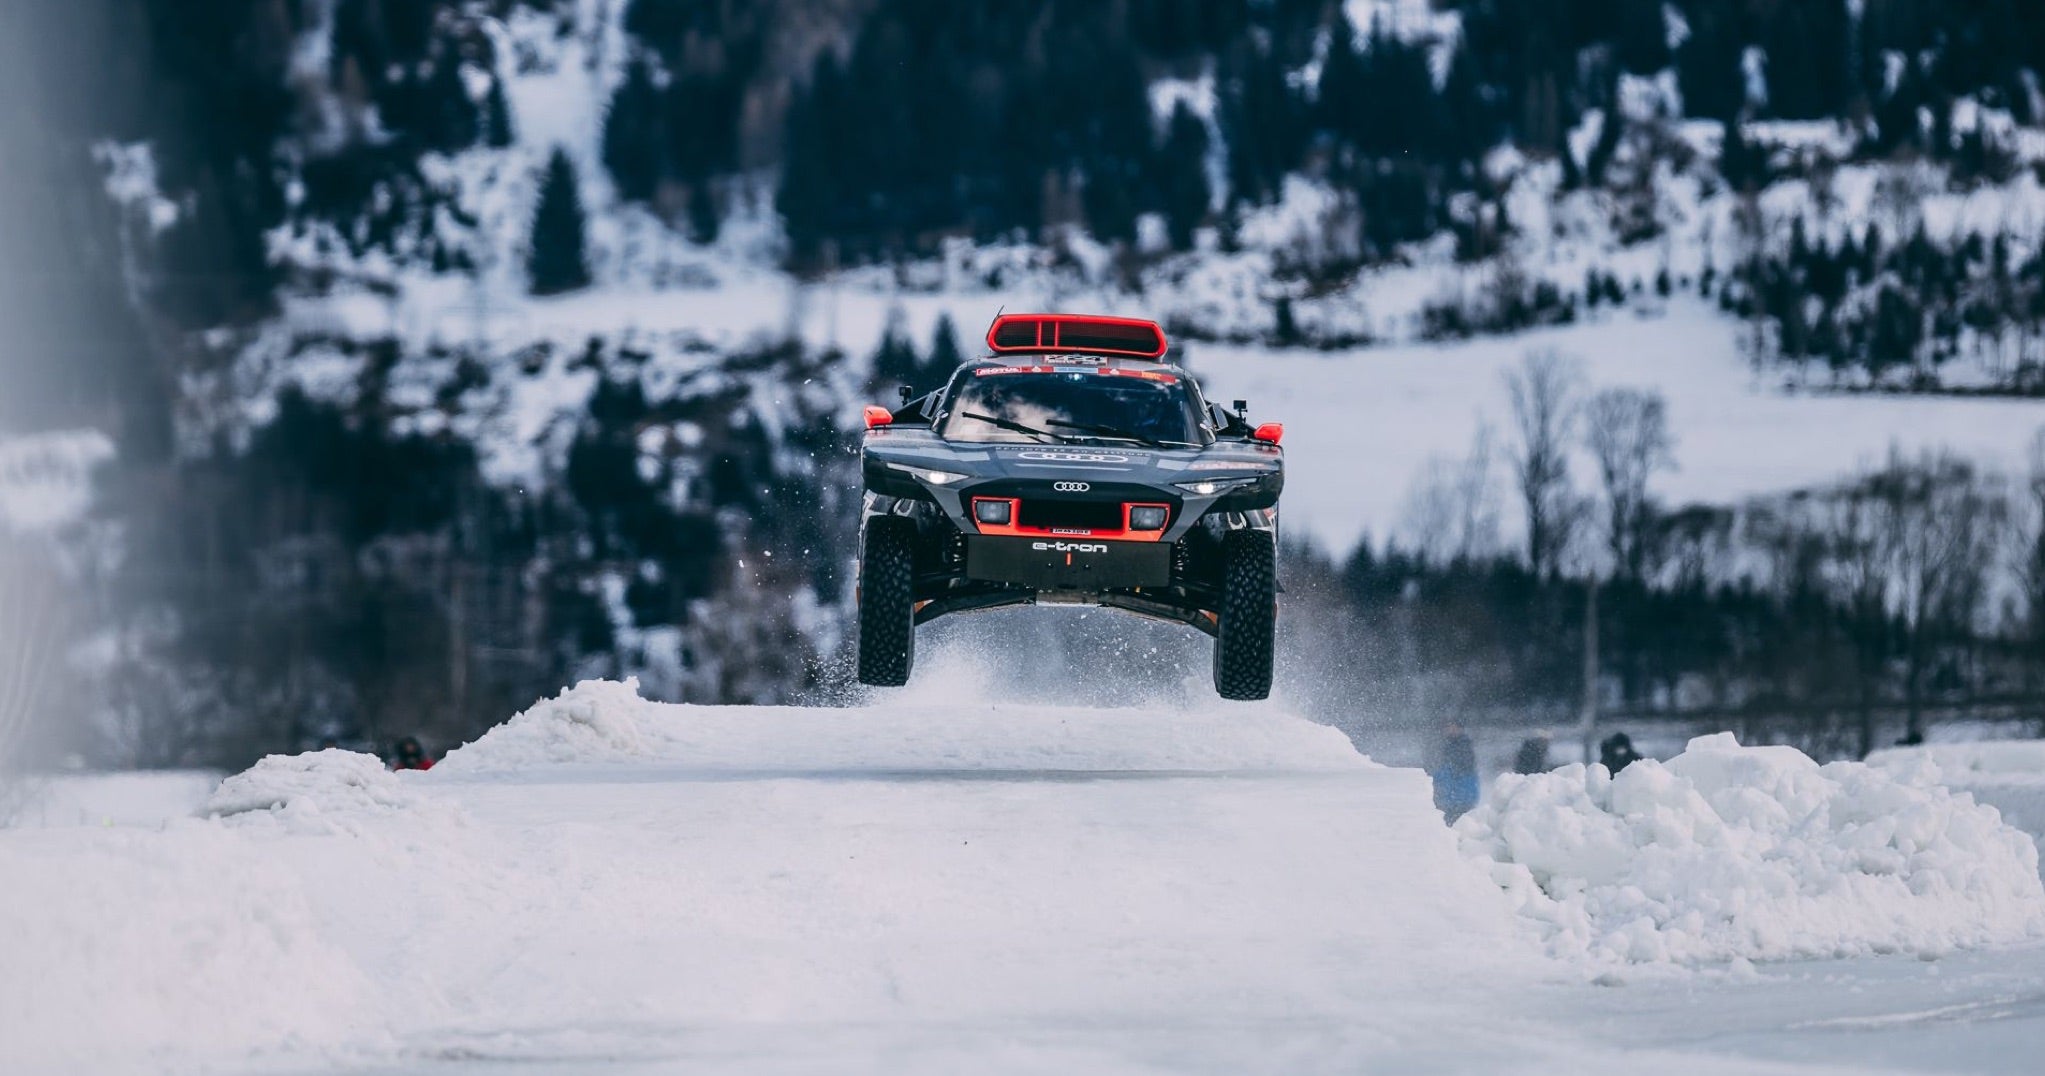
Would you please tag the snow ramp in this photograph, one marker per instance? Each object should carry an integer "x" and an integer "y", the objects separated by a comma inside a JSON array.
[{"x": 928, "y": 888}]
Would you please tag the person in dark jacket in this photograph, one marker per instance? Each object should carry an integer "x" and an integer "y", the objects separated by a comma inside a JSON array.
[
  {"x": 411, "y": 756},
  {"x": 1617, "y": 752},
  {"x": 1453, "y": 766},
  {"x": 1533, "y": 755}
]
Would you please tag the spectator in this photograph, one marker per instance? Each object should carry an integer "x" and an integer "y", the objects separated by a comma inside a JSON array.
[
  {"x": 1533, "y": 755},
  {"x": 411, "y": 756},
  {"x": 1617, "y": 752},
  {"x": 1453, "y": 767}
]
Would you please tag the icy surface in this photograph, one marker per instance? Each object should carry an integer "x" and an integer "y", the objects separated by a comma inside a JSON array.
[{"x": 1728, "y": 853}]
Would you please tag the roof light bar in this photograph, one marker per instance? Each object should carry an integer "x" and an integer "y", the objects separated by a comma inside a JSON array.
[{"x": 1036, "y": 334}]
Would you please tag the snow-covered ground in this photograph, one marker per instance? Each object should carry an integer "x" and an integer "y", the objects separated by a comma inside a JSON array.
[
  {"x": 1361, "y": 426},
  {"x": 140, "y": 798},
  {"x": 609, "y": 884}
]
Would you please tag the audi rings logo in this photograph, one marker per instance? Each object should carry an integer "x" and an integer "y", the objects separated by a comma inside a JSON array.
[
  {"x": 1072, "y": 457},
  {"x": 1072, "y": 487}
]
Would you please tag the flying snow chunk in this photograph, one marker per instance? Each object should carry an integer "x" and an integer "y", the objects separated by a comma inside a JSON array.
[
  {"x": 1726, "y": 853},
  {"x": 320, "y": 790}
]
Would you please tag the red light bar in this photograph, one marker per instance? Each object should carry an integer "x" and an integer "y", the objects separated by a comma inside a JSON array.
[{"x": 1037, "y": 334}]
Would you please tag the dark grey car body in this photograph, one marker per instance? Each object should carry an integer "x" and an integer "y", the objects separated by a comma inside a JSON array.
[{"x": 1068, "y": 540}]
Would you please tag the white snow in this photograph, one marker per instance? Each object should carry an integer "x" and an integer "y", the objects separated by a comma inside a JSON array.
[
  {"x": 138, "y": 798},
  {"x": 1361, "y": 425},
  {"x": 318, "y": 791},
  {"x": 1728, "y": 853},
  {"x": 2008, "y": 775},
  {"x": 914, "y": 886},
  {"x": 933, "y": 885},
  {"x": 46, "y": 478}
]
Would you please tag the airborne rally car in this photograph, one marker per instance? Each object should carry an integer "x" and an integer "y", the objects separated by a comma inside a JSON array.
[{"x": 1071, "y": 466}]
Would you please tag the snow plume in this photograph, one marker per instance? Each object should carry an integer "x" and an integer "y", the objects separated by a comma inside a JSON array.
[{"x": 1730, "y": 853}]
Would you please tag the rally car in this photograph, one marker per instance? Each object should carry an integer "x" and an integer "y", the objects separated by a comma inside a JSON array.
[{"x": 1072, "y": 465}]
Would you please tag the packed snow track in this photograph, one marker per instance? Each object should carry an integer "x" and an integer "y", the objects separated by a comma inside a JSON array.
[{"x": 605, "y": 883}]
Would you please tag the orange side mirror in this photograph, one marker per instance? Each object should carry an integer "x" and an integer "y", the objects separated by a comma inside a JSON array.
[
  {"x": 877, "y": 415},
  {"x": 1270, "y": 433}
]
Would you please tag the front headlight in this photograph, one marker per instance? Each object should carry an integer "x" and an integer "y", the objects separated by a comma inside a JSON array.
[
  {"x": 925, "y": 474},
  {"x": 1208, "y": 487}
]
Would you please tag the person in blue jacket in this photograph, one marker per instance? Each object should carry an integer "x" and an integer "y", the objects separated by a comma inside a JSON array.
[{"x": 1453, "y": 766}]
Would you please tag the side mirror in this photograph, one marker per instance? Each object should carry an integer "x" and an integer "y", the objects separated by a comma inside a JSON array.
[{"x": 878, "y": 416}]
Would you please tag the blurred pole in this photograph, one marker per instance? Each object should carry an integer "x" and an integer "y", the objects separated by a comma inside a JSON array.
[{"x": 1587, "y": 721}]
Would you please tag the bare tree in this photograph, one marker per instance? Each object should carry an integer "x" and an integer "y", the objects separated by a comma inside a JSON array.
[
  {"x": 1628, "y": 434},
  {"x": 1452, "y": 508},
  {"x": 1543, "y": 392}
]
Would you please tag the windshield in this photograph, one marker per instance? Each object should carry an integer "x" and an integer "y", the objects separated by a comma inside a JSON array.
[{"x": 1093, "y": 405}]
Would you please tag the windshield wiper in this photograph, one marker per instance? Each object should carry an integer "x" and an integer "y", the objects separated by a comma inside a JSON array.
[
  {"x": 1118, "y": 433},
  {"x": 1009, "y": 425}
]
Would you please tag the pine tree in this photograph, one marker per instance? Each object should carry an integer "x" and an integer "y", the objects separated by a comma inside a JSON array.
[
  {"x": 945, "y": 355},
  {"x": 1184, "y": 179},
  {"x": 452, "y": 122},
  {"x": 497, "y": 117},
  {"x": 1643, "y": 38},
  {"x": 704, "y": 223},
  {"x": 557, "y": 261},
  {"x": 632, "y": 135},
  {"x": 895, "y": 361},
  {"x": 1708, "y": 67}
]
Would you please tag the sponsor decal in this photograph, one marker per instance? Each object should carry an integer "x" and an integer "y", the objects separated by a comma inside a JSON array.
[
  {"x": 1076, "y": 360},
  {"x": 1221, "y": 465},
  {"x": 1081, "y": 531},
  {"x": 1072, "y": 487},
  {"x": 1072, "y": 457},
  {"x": 1069, "y": 547}
]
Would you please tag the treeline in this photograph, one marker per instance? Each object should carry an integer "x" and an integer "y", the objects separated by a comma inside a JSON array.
[
  {"x": 890, "y": 129},
  {"x": 1898, "y": 315},
  {"x": 351, "y": 574},
  {"x": 1914, "y": 584}
]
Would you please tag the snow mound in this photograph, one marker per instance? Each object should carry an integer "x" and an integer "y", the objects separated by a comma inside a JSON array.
[
  {"x": 1728, "y": 853},
  {"x": 605, "y": 722},
  {"x": 2008, "y": 775},
  {"x": 320, "y": 790},
  {"x": 594, "y": 721}
]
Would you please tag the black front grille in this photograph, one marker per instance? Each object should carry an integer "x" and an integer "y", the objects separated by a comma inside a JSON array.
[{"x": 1072, "y": 515}]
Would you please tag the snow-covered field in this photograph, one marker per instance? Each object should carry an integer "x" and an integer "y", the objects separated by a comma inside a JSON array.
[
  {"x": 1361, "y": 426},
  {"x": 610, "y": 884}
]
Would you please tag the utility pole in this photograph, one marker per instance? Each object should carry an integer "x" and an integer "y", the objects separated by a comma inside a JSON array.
[{"x": 1587, "y": 720}]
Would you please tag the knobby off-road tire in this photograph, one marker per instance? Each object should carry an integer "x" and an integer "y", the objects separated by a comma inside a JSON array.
[
  {"x": 887, "y": 603},
  {"x": 1249, "y": 615}
]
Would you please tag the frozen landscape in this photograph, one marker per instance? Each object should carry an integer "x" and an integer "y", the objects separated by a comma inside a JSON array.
[{"x": 605, "y": 882}]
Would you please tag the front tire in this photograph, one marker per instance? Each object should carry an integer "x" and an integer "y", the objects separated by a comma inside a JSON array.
[
  {"x": 887, "y": 603},
  {"x": 1243, "y": 643}
]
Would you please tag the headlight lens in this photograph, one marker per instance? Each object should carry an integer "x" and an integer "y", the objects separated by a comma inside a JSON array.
[
  {"x": 1208, "y": 487},
  {"x": 935, "y": 478},
  {"x": 1147, "y": 517},
  {"x": 994, "y": 513}
]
